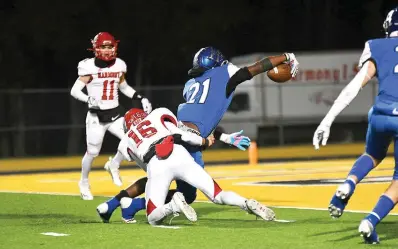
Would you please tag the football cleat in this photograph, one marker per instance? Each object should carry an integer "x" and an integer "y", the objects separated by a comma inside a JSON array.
[
  {"x": 103, "y": 213},
  {"x": 85, "y": 191},
  {"x": 179, "y": 205},
  {"x": 260, "y": 210},
  {"x": 340, "y": 200},
  {"x": 114, "y": 172},
  {"x": 368, "y": 232},
  {"x": 128, "y": 210}
]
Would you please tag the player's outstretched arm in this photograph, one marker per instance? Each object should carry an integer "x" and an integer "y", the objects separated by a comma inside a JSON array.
[
  {"x": 348, "y": 94},
  {"x": 262, "y": 66},
  {"x": 127, "y": 90},
  {"x": 268, "y": 63},
  {"x": 78, "y": 94}
]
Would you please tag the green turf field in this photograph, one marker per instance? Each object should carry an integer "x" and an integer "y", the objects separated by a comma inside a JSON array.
[{"x": 23, "y": 217}]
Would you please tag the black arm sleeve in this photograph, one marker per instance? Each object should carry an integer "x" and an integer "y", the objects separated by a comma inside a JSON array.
[{"x": 240, "y": 76}]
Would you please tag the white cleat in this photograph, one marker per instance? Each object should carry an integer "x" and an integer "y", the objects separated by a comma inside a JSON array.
[
  {"x": 260, "y": 210},
  {"x": 365, "y": 228},
  {"x": 114, "y": 172},
  {"x": 179, "y": 205},
  {"x": 85, "y": 191},
  {"x": 343, "y": 191},
  {"x": 129, "y": 221}
]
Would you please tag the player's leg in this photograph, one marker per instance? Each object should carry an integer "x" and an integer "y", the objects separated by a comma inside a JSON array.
[
  {"x": 95, "y": 132},
  {"x": 190, "y": 172},
  {"x": 186, "y": 189},
  {"x": 387, "y": 201},
  {"x": 129, "y": 208},
  {"x": 116, "y": 128},
  {"x": 112, "y": 167},
  {"x": 160, "y": 176},
  {"x": 377, "y": 142}
]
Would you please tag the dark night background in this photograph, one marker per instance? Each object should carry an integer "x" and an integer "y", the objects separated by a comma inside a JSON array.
[{"x": 42, "y": 42}]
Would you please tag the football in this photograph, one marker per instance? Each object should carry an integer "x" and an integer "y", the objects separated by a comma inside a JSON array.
[{"x": 280, "y": 73}]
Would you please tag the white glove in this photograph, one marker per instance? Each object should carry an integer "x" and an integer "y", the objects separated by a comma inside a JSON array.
[
  {"x": 293, "y": 62},
  {"x": 93, "y": 102},
  {"x": 236, "y": 139},
  {"x": 146, "y": 105},
  {"x": 321, "y": 134}
]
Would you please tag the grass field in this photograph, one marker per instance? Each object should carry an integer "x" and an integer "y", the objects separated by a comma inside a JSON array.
[
  {"x": 24, "y": 217},
  {"x": 49, "y": 202}
]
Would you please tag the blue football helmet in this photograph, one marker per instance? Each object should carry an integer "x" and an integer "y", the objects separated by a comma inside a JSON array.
[
  {"x": 391, "y": 22},
  {"x": 205, "y": 59}
]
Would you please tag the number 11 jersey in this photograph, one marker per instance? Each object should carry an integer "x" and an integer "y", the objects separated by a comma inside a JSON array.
[
  {"x": 104, "y": 82},
  {"x": 206, "y": 98}
]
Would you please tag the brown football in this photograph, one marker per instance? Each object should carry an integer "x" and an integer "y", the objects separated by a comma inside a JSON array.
[{"x": 280, "y": 73}]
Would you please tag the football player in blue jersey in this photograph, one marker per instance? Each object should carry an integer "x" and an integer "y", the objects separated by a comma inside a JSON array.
[
  {"x": 208, "y": 94},
  {"x": 379, "y": 59}
]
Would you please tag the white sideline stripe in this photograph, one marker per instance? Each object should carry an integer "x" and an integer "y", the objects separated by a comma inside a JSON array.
[
  {"x": 55, "y": 234},
  {"x": 284, "y": 221},
  {"x": 287, "y": 207},
  {"x": 168, "y": 227}
]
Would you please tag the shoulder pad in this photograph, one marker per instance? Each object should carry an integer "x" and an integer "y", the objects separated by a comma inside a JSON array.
[
  {"x": 84, "y": 67},
  {"x": 121, "y": 64}
]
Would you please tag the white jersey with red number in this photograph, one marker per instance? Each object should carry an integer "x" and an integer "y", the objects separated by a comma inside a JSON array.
[
  {"x": 104, "y": 83},
  {"x": 150, "y": 130}
]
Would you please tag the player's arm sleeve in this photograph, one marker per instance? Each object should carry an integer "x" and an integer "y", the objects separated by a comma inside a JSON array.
[
  {"x": 125, "y": 88},
  {"x": 366, "y": 55},
  {"x": 188, "y": 137},
  {"x": 237, "y": 76},
  {"x": 77, "y": 92},
  {"x": 348, "y": 94}
]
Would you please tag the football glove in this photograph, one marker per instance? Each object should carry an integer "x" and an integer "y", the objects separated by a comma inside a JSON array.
[{"x": 236, "y": 139}]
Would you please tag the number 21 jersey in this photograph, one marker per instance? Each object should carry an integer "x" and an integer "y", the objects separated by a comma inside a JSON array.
[
  {"x": 104, "y": 82},
  {"x": 206, "y": 98}
]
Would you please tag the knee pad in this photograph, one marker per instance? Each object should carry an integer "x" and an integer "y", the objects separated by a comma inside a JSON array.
[
  {"x": 95, "y": 137},
  {"x": 93, "y": 150}
]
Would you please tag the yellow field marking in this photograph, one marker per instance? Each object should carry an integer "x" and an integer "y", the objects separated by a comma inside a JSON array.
[{"x": 239, "y": 178}]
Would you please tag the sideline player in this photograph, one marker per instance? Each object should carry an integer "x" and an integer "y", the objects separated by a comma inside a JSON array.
[
  {"x": 103, "y": 76},
  {"x": 380, "y": 59},
  {"x": 156, "y": 141},
  {"x": 208, "y": 95}
]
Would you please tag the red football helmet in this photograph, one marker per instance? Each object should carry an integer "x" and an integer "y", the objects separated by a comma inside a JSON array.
[
  {"x": 104, "y": 46},
  {"x": 133, "y": 117}
]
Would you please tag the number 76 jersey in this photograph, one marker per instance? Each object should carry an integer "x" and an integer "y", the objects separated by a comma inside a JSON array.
[
  {"x": 206, "y": 98},
  {"x": 104, "y": 82}
]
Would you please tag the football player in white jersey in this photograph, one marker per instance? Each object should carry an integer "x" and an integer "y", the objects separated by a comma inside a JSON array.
[
  {"x": 103, "y": 76},
  {"x": 156, "y": 141}
]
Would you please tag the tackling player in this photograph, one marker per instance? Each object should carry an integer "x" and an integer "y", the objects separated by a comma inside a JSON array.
[
  {"x": 103, "y": 76},
  {"x": 156, "y": 141},
  {"x": 380, "y": 59}
]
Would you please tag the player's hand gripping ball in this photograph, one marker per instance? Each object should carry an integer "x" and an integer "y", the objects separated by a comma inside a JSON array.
[{"x": 281, "y": 73}]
